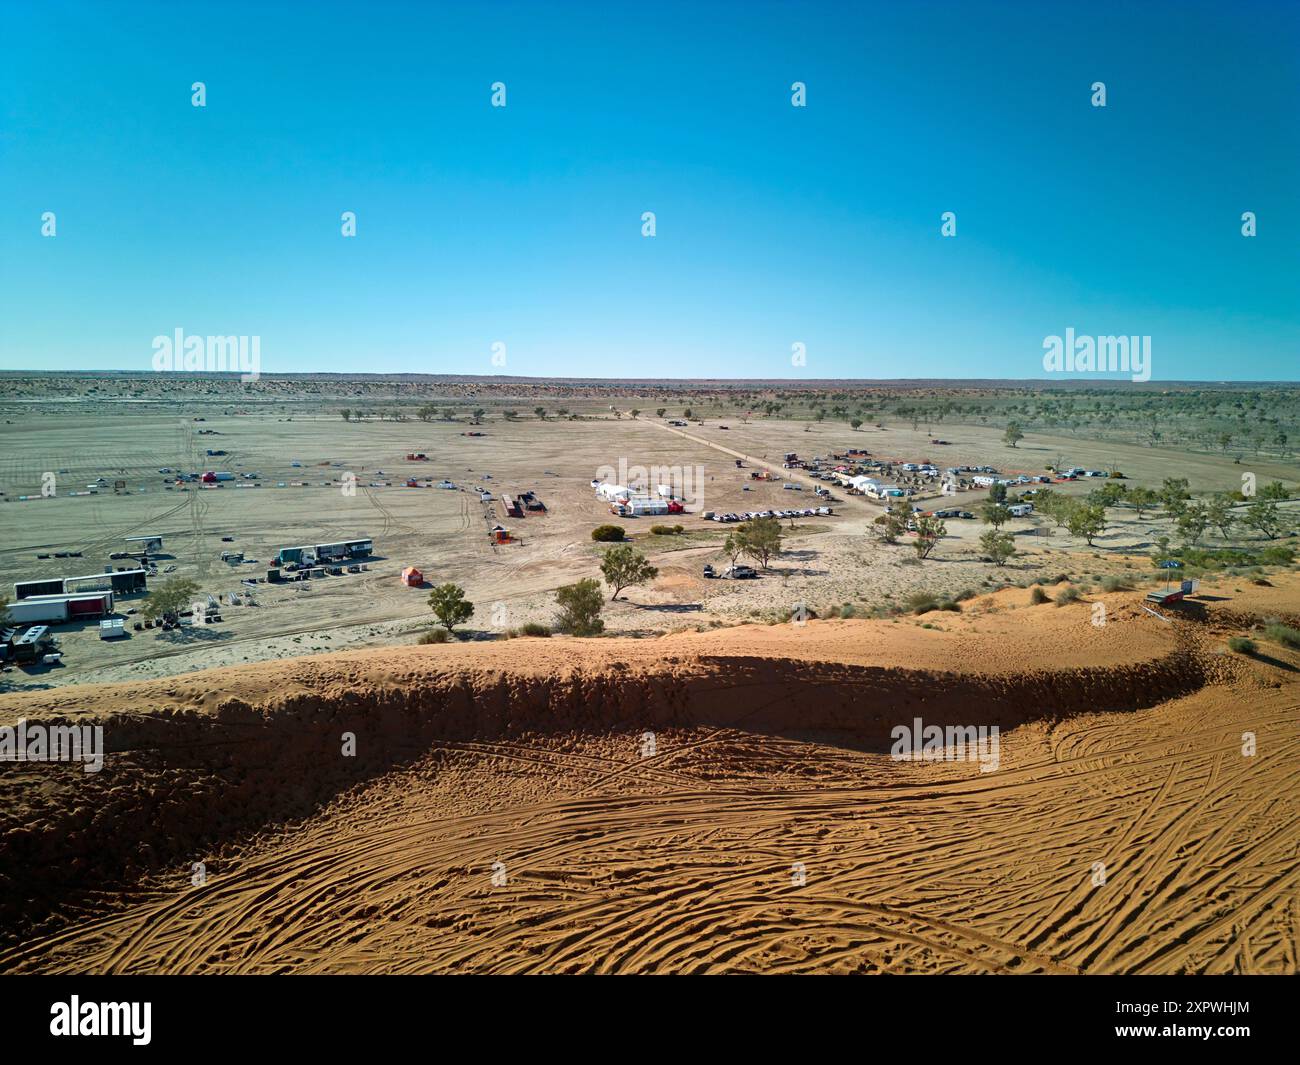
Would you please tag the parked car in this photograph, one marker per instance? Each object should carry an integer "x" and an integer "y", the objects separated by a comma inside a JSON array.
[
  {"x": 709, "y": 572},
  {"x": 740, "y": 573}
]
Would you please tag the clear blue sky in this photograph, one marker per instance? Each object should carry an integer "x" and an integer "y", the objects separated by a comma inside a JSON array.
[{"x": 775, "y": 224}]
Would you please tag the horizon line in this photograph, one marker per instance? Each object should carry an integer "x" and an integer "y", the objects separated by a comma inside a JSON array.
[{"x": 1067, "y": 381}]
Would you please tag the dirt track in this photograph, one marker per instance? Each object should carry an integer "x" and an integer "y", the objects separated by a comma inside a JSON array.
[{"x": 1120, "y": 745}]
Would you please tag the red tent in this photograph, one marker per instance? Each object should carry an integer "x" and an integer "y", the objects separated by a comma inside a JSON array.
[
  {"x": 412, "y": 577},
  {"x": 209, "y": 478}
]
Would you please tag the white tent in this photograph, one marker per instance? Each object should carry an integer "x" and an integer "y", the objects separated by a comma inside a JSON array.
[{"x": 610, "y": 492}]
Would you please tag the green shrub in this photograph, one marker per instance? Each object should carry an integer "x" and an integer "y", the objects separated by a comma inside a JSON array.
[
  {"x": 1283, "y": 634},
  {"x": 1037, "y": 596},
  {"x": 847, "y": 611},
  {"x": 434, "y": 636},
  {"x": 608, "y": 534},
  {"x": 1114, "y": 584},
  {"x": 531, "y": 628},
  {"x": 1241, "y": 645},
  {"x": 921, "y": 602},
  {"x": 1219, "y": 558},
  {"x": 924, "y": 602},
  {"x": 580, "y": 605},
  {"x": 1067, "y": 595},
  {"x": 661, "y": 530}
]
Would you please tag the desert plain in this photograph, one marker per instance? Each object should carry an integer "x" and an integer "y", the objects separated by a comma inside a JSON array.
[{"x": 710, "y": 786}]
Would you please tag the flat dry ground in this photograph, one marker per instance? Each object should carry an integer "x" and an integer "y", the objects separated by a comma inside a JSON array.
[
  {"x": 444, "y": 533},
  {"x": 767, "y": 830}
]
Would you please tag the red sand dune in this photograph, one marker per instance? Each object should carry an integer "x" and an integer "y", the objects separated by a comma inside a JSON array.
[{"x": 766, "y": 830}]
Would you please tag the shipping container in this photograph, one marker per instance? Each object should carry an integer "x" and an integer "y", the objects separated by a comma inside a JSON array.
[
  {"x": 120, "y": 582},
  {"x": 65, "y": 607},
  {"x": 33, "y": 610},
  {"x": 23, "y": 589}
]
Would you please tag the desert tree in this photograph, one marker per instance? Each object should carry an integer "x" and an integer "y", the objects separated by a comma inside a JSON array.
[
  {"x": 1218, "y": 513},
  {"x": 449, "y": 605},
  {"x": 169, "y": 598},
  {"x": 580, "y": 605},
  {"x": 1086, "y": 519},
  {"x": 624, "y": 567},
  {"x": 999, "y": 546},
  {"x": 761, "y": 538},
  {"x": 929, "y": 531},
  {"x": 1173, "y": 495},
  {"x": 1264, "y": 516},
  {"x": 1141, "y": 499},
  {"x": 1193, "y": 522},
  {"x": 994, "y": 514}
]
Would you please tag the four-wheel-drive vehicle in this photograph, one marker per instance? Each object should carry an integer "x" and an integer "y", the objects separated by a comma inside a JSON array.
[
  {"x": 709, "y": 572},
  {"x": 740, "y": 573}
]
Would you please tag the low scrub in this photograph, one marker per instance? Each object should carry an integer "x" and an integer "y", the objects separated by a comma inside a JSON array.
[
  {"x": 1037, "y": 596},
  {"x": 531, "y": 628},
  {"x": 608, "y": 534},
  {"x": 1241, "y": 645},
  {"x": 924, "y": 602},
  {"x": 434, "y": 636},
  {"x": 1283, "y": 634},
  {"x": 1067, "y": 595},
  {"x": 1221, "y": 558}
]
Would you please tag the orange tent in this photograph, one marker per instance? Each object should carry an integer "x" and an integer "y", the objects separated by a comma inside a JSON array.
[{"x": 412, "y": 577}]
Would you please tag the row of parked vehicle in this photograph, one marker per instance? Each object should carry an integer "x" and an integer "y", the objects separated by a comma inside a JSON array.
[
  {"x": 735, "y": 573},
  {"x": 750, "y": 515}
]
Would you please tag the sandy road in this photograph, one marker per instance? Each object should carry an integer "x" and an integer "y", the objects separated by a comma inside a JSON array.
[{"x": 793, "y": 476}]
